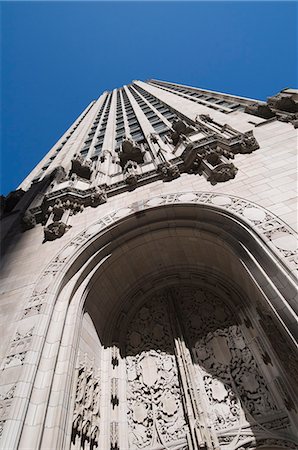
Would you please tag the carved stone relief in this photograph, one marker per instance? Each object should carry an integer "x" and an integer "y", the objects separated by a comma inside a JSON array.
[
  {"x": 283, "y": 106},
  {"x": 81, "y": 167},
  {"x": 6, "y": 399},
  {"x": 86, "y": 417},
  {"x": 131, "y": 172},
  {"x": 228, "y": 378},
  {"x": 232, "y": 379},
  {"x": 155, "y": 413}
]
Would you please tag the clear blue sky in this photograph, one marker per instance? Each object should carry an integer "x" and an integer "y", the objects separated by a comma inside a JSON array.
[{"x": 58, "y": 56}]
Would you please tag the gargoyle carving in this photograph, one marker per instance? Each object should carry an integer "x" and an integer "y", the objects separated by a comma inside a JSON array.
[
  {"x": 130, "y": 151},
  {"x": 55, "y": 230},
  {"x": 131, "y": 172},
  {"x": 179, "y": 130},
  {"x": 98, "y": 197},
  {"x": 169, "y": 171},
  {"x": 82, "y": 167}
]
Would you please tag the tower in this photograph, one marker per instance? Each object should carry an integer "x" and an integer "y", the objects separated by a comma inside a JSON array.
[{"x": 148, "y": 278}]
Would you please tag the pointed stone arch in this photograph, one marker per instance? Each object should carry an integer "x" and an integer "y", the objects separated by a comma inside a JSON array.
[{"x": 264, "y": 244}]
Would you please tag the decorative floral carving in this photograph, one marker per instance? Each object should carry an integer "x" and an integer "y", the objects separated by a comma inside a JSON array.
[
  {"x": 155, "y": 413},
  {"x": 232, "y": 379},
  {"x": 21, "y": 341}
]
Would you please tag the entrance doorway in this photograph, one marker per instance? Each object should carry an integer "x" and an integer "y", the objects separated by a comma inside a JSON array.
[{"x": 194, "y": 378}]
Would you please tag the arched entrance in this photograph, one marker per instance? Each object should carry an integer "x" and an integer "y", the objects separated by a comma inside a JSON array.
[{"x": 164, "y": 253}]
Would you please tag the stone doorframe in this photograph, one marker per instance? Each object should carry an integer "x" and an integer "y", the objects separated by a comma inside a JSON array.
[{"x": 37, "y": 416}]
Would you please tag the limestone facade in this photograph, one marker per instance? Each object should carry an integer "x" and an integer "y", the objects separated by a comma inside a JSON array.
[{"x": 148, "y": 281}]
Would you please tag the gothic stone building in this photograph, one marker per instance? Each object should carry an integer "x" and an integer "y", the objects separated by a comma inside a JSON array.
[{"x": 148, "y": 278}]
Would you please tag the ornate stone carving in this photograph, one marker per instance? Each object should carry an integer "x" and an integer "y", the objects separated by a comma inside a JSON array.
[
  {"x": 232, "y": 379},
  {"x": 212, "y": 161},
  {"x": 180, "y": 129},
  {"x": 59, "y": 174},
  {"x": 260, "y": 110},
  {"x": 283, "y": 106},
  {"x": 98, "y": 197},
  {"x": 131, "y": 172},
  {"x": 284, "y": 101},
  {"x": 28, "y": 312},
  {"x": 114, "y": 436},
  {"x": 114, "y": 392},
  {"x": 228, "y": 376},
  {"x": 21, "y": 341},
  {"x": 222, "y": 172},
  {"x": 81, "y": 167},
  {"x": 169, "y": 171},
  {"x": 55, "y": 230},
  {"x": 6, "y": 400},
  {"x": 247, "y": 143},
  {"x": 86, "y": 417},
  {"x": 155, "y": 414},
  {"x": 130, "y": 151},
  {"x": 115, "y": 356}
]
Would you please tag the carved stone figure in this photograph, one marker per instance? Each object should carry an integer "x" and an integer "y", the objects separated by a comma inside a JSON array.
[
  {"x": 222, "y": 172},
  {"x": 98, "y": 197},
  {"x": 55, "y": 230},
  {"x": 179, "y": 130},
  {"x": 80, "y": 166},
  {"x": 131, "y": 172},
  {"x": 130, "y": 151},
  {"x": 169, "y": 171}
]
